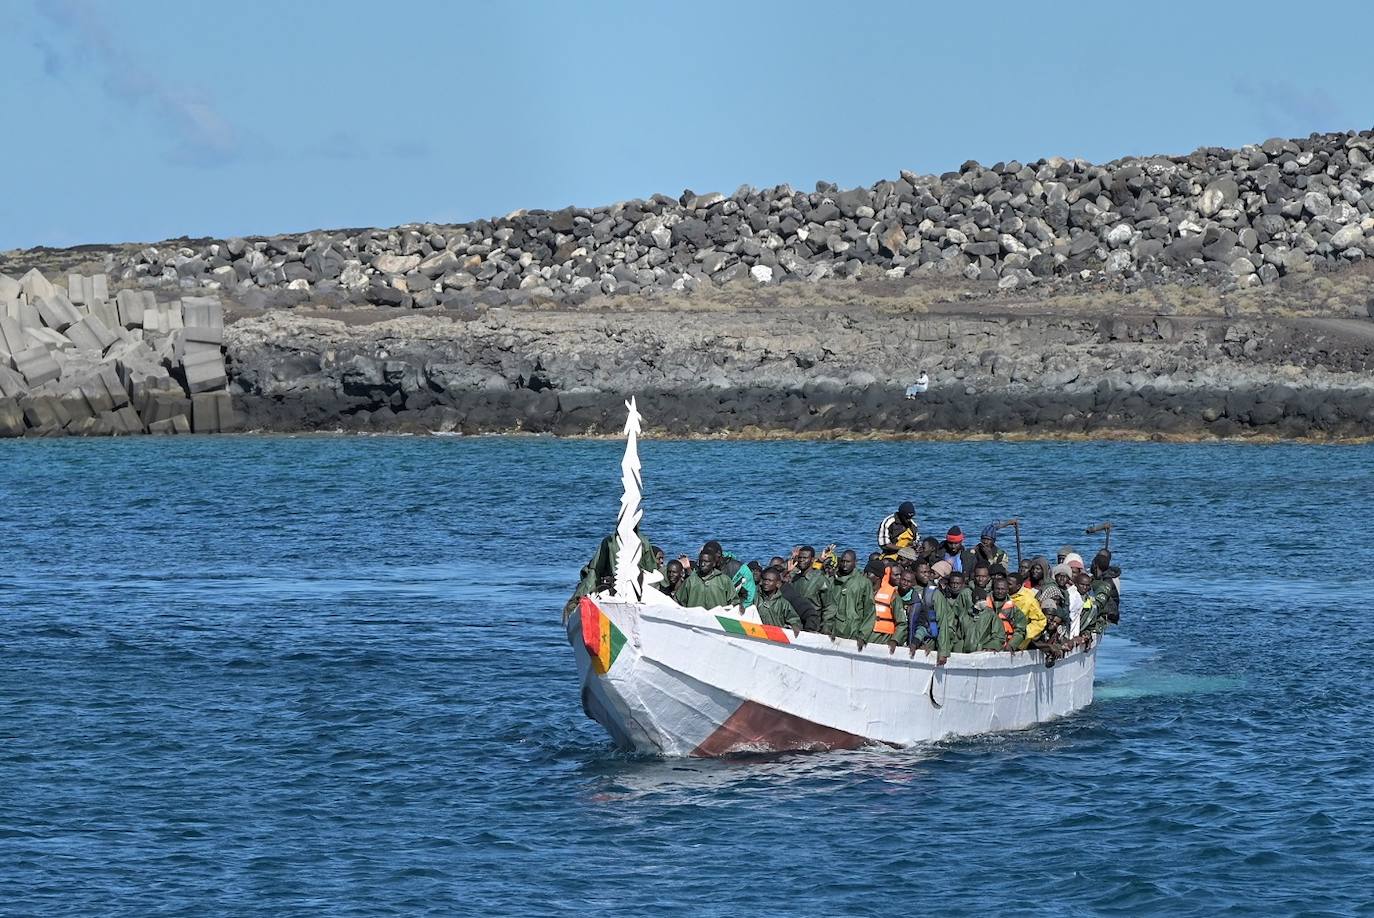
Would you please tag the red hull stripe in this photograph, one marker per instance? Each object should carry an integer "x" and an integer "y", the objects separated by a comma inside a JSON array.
[{"x": 758, "y": 728}]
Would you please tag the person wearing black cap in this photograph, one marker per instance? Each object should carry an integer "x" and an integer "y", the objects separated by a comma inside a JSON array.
[
  {"x": 899, "y": 530},
  {"x": 953, "y": 552},
  {"x": 987, "y": 549}
]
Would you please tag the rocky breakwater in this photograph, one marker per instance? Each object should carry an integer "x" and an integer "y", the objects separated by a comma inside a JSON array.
[
  {"x": 1231, "y": 217},
  {"x": 809, "y": 372},
  {"x": 76, "y": 360}
]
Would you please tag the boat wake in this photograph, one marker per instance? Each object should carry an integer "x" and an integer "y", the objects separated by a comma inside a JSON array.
[{"x": 1127, "y": 670}]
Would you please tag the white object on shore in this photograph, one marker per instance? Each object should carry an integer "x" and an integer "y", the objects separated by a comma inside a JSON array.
[
  {"x": 919, "y": 387},
  {"x": 673, "y": 681}
]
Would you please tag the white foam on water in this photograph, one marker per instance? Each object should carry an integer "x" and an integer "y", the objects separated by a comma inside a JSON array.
[{"x": 1124, "y": 671}]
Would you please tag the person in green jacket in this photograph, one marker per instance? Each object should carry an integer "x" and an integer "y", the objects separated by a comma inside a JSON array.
[
  {"x": 774, "y": 609},
  {"x": 599, "y": 573},
  {"x": 952, "y": 605},
  {"x": 811, "y": 583},
  {"x": 851, "y": 601},
  {"x": 707, "y": 587},
  {"x": 673, "y": 576},
  {"x": 984, "y": 628},
  {"x": 1101, "y": 601}
]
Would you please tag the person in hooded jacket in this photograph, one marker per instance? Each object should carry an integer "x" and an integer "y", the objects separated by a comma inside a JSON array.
[
  {"x": 851, "y": 600},
  {"x": 707, "y": 586},
  {"x": 774, "y": 609},
  {"x": 996, "y": 623},
  {"x": 952, "y": 606},
  {"x": 599, "y": 572}
]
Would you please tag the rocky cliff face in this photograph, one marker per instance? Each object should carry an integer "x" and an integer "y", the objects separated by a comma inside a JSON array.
[{"x": 777, "y": 372}]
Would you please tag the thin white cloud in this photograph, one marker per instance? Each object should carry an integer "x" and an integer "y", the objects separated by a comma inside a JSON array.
[
  {"x": 201, "y": 135},
  {"x": 1284, "y": 108}
]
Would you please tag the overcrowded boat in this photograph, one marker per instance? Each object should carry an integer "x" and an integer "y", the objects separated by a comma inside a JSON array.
[{"x": 675, "y": 680}]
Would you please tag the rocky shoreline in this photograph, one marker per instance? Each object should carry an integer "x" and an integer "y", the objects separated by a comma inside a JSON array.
[
  {"x": 1220, "y": 294},
  {"x": 819, "y": 374}
]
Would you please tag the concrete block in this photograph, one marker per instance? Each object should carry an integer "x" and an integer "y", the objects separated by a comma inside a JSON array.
[
  {"x": 36, "y": 366},
  {"x": 23, "y": 313},
  {"x": 83, "y": 336},
  {"x": 141, "y": 374},
  {"x": 57, "y": 312},
  {"x": 76, "y": 406},
  {"x": 100, "y": 287},
  {"x": 105, "y": 425},
  {"x": 12, "y": 337},
  {"x": 204, "y": 334},
  {"x": 12, "y": 385},
  {"x": 41, "y": 412},
  {"x": 162, "y": 427},
  {"x": 36, "y": 286},
  {"x": 77, "y": 290},
  {"x": 202, "y": 311},
  {"x": 163, "y": 405},
  {"x": 132, "y": 304},
  {"x": 164, "y": 318},
  {"x": 109, "y": 376},
  {"x": 194, "y": 349},
  {"x": 213, "y": 412},
  {"x": 128, "y": 420},
  {"x": 106, "y": 312},
  {"x": 9, "y": 289},
  {"x": 182, "y": 424},
  {"x": 49, "y": 338},
  {"x": 204, "y": 372},
  {"x": 97, "y": 397},
  {"x": 182, "y": 346},
  {"x": 11, "y": 418},
  {"x": 102, "y": 332}
]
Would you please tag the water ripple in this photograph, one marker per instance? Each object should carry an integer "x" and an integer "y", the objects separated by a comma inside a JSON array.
[{"x": 326, "y": 675}]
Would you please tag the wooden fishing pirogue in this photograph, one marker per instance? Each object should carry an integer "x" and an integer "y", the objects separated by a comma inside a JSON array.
[{"x": 677, "y": 681}]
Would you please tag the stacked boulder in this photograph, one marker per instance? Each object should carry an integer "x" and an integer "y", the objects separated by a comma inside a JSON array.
[
  {"x": 75, "y": 361},
  {"x": 1241, "y": 217}
]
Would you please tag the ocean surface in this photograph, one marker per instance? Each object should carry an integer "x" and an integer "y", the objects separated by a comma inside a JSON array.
[{"x": 326, "y": 676}]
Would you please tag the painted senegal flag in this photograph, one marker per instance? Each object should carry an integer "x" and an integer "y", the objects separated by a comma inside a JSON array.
[
  {"x": 602, "y": 637},
  {"x": 753, "y": 629}
]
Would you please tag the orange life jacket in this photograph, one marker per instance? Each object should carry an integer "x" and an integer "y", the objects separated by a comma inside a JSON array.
[
  {"x": 1003, "y": 614},
  {"x": 884, "y": 623}
]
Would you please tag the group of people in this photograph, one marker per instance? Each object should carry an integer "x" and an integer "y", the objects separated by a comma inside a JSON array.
[{"x": 923, "y": 594}]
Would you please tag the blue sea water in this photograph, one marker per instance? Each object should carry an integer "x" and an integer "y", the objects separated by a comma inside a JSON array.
[{"x": 326, "y": 676}]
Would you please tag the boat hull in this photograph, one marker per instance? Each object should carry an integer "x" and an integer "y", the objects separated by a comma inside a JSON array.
[{"x": 666, "y": 680}]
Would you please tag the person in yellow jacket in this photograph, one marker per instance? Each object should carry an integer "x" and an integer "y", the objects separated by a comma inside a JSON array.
[
  {"x": 1024, "y": 599},
  {"x": 899, "y": 530}
]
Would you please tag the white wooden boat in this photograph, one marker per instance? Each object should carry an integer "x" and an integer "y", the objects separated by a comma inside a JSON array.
[{"x": 673, "y": 681}]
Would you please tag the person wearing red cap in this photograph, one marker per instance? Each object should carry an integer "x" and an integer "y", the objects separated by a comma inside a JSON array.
[{"x": 953, "y": 552}]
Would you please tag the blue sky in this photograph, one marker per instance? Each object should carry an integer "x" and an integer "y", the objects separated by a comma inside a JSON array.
[{"x": 142, "y": 120}]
